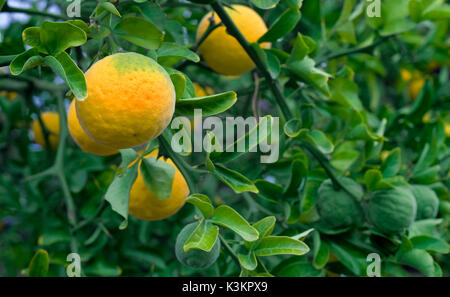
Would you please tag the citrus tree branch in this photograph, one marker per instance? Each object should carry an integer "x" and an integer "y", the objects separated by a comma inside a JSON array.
[
  {"x": 273, "y": 84},
  {"x": 33, "y": 11},
  {"x": 6, "y": 60}
]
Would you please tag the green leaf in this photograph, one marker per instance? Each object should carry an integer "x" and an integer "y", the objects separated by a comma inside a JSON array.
[
  {"x": 234, "y": 179},
  {"x": 321, "y": 252},
  {"x": 391, "y": 166},
  {"x": 426, "y": 158},
  {"x": 118, "y": 192},
  {"x": 31, "y": 36},
  {"x": 284, "y": 24},
  {"x": 436, "y": 12},
  {"x": 39, "y": 264},
  {"x": 158, "y": 177},
  {"x": 265, "y": 4},
  {"x": 108, "y": 6},
  {"x": 63, "y": 65},
  {"x": 268, "y": 190},
  {"x": 25, "y": 61},
  {"x": 229, "y": 218},
  {"x": 170, "y": 49},
  {"x": 2, "y": 2},
  {"x": 247, "y": 142},
  {"x": 203, "y": 238},
  {"x": 319, "y": 139},
  {"x": 300, "y": 50},
  {"x": 308, "y": 73},
  {"x": 248, "y": 261},
  {"x": 56, "y": 37},
  {"x": 418, "y": 259},
  {"x": 80, "y": 24},
  {"x": 179, "y": 82},
  {"x": 415, "y": 10},
  {"x": 210, "y": 105},
  {"x": 345, "y": 92},
  {"x": 203, "y": 203},
  {"x": 374, "y": 180},
  {"x": 299, "y": 172},
  {"x": 430, "y": 244},
  {"x": 302, "y": 235},
  {"x": 55, "y": 236},
  {"x": 293, "y": 127},
  {"x": 295, "y": 4},
  {"x": 265, "y": 226},
  {"x": 128, "y": 156},
  {"x": 139, "y": 31},
  {"x": 273, "y": 64},
  {"x": 427, "y": 176},
  {"x": 353, "y": 259},
  {"x": 295, "y": 267},
  {"x": 280, "y": 245},
  {"x": 101, "y": 268}
]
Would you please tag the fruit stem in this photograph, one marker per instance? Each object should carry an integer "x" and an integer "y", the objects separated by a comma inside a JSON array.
[{"x": 273, "y": 84}]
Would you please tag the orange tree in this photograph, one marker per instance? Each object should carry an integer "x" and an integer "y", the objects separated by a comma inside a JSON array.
[{"x": 361, "y": 91}]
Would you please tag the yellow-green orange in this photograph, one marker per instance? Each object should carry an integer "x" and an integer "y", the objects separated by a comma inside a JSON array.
[
  {"x": 202, "y": 91},
  {"x": 82, "y": 139},
  {"x": 51, "y": 122},
  {"x": 221, "y": 51},
  {"x": 415, "y": 87},
  {"x": 145, "y": 206},
  {"x": 131, "y": 100}
]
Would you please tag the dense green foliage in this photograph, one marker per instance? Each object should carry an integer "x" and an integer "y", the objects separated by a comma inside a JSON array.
[{"x": 363, "y": 167}]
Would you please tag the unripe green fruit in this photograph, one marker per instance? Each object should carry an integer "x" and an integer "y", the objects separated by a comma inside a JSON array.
[
  {"x": 337, "y": 209},
  {"x": 195, "y": 258},
  {"x": 427, "y": 202},
  {"x": 392, "y": 211}
]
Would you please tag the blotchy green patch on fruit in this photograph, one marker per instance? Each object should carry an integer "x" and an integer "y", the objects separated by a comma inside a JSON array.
[
  {"x": 337, "y": 209},
  {"x": 427, "y": 202},
  {"x": 195, "y": 258},
  {"x": 392, "y": 211}
]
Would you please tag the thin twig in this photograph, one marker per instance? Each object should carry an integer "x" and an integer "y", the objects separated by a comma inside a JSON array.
[
  {"x": 352, "y": 51},
  {"x": 229, "y": 250}
]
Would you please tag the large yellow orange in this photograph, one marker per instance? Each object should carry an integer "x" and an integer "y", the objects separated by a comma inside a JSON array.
[
  {"x": 131, "y": 100},
  {"x": 82, "y": 139},
  {"x": 51, "y": 123},
  {"x": 145, "y": 206},
  {"x": 221, "y": 51}
]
